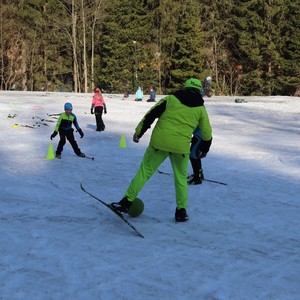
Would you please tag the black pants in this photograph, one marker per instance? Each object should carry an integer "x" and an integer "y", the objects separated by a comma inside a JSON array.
[
  {"x": 69, "y": 135},
  {"x": 197, "y": 166},
  {"x": 194, "y": 158},
  {"x": 98, "y": 115}
]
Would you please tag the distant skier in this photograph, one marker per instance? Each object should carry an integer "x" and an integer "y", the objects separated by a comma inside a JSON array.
[
  {"x": 126, "y": 95},
  {"x": 65, "y": 130},
  {"x": 206, "y": 86},
  {"x": 152, "y": 95},
  {"x": 97, "y": 108},
  {"x": 139, "y": 94}
]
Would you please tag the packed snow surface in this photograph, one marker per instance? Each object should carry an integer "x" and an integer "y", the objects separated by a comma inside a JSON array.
[{"x": 242, "y": 240}]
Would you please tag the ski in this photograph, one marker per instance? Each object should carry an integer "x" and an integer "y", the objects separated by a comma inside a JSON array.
[
  {"x": 42, "y": 120},
  {"x": 214, "y": 181},
  {"x": 12, "y": 116},
  {"x": 20, "y": 125},
  {"x": 113, "y": 210},
  {"x": 41, "y": 123},
  {"x": 90, "y": 157},
  {"x": 52, "y": 115},
  {"x": 164, "y": 173},
  {"x": 208, "y": 180}
]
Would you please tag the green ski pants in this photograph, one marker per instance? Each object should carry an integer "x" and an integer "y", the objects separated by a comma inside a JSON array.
[{"x": 152, "y": 159}]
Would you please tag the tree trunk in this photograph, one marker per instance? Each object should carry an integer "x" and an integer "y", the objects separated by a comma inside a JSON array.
[
  {"x": 74, "y": 44},
  {"x": 215, "y": 62},
  {"x": 85, "y": 71},
  {"x": 23, "y": 68}
]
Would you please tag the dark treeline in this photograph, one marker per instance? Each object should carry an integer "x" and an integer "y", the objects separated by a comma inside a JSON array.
[{"x": 247, "y": 47}]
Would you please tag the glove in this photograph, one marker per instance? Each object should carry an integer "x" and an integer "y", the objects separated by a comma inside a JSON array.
[
  {"x": 105, "y": 111},
  {"x": 92, "y": 112},
  {"x": 104, "y": 107},
  {"x": 53, "y": 135},
  {"x": 202, "y": 155},
  {"x": 136, "y": 138},
  {"x": 81, "y": 133}
]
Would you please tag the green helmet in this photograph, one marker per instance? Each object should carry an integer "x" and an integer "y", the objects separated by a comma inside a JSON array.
[{"x": 193, "y": 83}]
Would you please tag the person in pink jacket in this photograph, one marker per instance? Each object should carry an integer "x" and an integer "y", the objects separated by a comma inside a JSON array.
[{"x": 97, "y": 108}]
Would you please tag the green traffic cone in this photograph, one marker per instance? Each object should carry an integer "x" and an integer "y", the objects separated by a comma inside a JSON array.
[
  {"x": 50, "y": 154},
  {"x": 122, "y": 142}
]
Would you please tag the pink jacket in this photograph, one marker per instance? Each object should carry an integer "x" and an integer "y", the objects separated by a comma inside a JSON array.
[{"x": 98, "y": 100}]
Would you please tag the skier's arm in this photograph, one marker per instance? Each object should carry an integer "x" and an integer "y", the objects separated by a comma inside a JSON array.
[
  {"x": 151, "y": 115},
  {"x": 58, "y": 123},
  {"x": 206, "y": 133},
  {"x": 76, "y": 123}
]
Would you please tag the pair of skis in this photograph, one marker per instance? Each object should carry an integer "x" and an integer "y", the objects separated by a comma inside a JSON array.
[
  {"x": 38, "y": 123},
  {"x": 113, "y": 210}
]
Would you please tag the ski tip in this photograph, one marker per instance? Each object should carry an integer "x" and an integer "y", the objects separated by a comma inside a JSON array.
[{"x": 89, "y": 157}]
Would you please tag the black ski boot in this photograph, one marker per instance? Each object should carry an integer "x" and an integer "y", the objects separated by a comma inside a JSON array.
[
  {"x": 121, "y": 206},
  {"x": 181, "y": 215},
  {"x": 194, "y": 180}
]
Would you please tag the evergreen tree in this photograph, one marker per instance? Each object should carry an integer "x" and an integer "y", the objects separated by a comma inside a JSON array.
[
  {"x": 249, "y": 47},
  {"x": 121, "y": 46},
  {"x": 32, "y": 28},
  {"x": 260, "y": 44},
  {"x": 187, "y": 57},
  {"x": 217, "y": 29},
  {"x": 289, "y": 71},
  {"x": 58, "y": 45},
  {"x": 10, "y": 46}
]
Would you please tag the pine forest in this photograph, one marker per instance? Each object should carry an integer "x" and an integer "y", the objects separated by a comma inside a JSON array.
[{"x": 247, "y": 47}]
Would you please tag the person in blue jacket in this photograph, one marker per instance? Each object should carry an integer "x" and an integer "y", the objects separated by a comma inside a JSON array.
[
  {"x": 195, "y": 159},
  {"x": 65, "y": 130},
  {"x": 152, "y": 95}
]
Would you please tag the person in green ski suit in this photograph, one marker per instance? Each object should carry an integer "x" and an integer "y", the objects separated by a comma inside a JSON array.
[{"x": 178, "y": 115}]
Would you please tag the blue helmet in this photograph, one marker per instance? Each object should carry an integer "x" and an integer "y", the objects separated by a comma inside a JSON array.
[{"x": 68, "y": 106}]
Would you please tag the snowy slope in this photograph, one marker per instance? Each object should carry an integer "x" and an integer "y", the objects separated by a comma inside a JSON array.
[{"x": 242, "y": 240}]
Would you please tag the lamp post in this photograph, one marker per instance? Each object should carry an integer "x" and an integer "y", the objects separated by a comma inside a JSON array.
[{"x": 135, "y": 63}]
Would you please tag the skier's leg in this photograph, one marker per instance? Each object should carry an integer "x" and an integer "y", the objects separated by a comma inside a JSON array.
[
  {"x": 61, "y": 142},
  {"x": 98, "y": 115},
  {"x": 195, "y": 162},
  {"x": 151, "y": 160},
  {"x": 180, "y": 164},
  {"x": 71, "y": 139}
]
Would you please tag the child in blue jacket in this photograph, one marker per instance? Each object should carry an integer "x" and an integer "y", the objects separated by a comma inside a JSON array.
[{"x": 65, "y": 130}]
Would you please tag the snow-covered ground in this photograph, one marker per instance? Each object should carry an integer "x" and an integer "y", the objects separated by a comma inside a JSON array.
[{"x": 242, "y": 240}]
